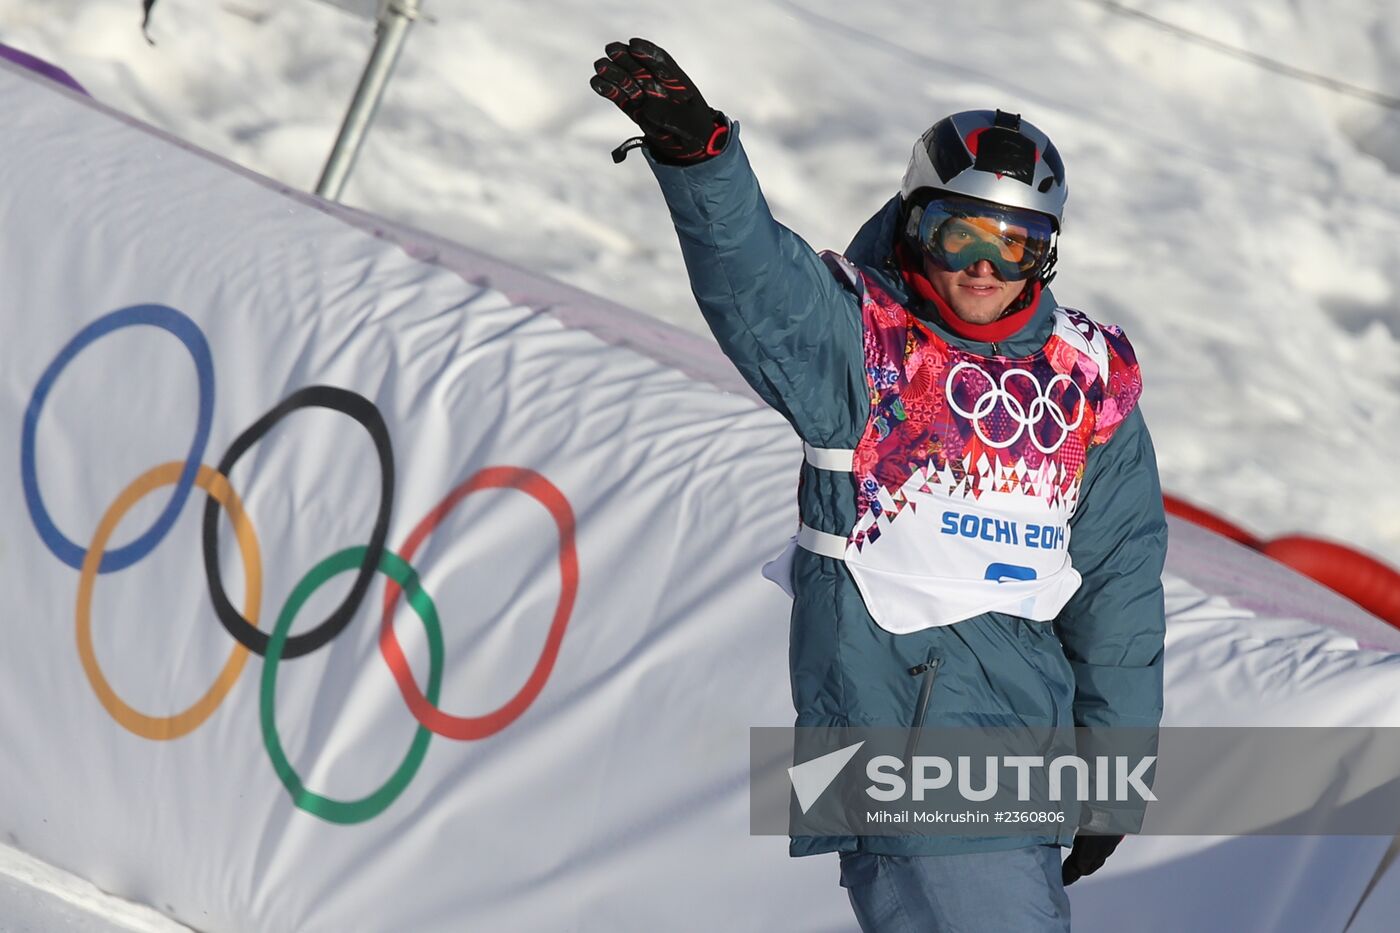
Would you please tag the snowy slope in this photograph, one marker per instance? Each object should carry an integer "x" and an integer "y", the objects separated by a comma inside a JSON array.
[{"x": 1239, "y": 224}]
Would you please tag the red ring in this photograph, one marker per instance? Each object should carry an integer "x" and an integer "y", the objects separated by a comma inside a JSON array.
[{"x": 479, "y": 727}]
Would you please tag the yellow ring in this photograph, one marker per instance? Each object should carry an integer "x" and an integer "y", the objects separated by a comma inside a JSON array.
[{"x": 169, "y": 727}]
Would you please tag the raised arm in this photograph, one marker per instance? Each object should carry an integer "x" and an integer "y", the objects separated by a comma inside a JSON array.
[{"x": 776, "y": 310}]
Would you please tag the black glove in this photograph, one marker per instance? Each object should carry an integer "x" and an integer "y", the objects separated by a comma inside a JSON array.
[
  {"x": 1087, "y": 856},
  {"x": 677, "y": 125}
]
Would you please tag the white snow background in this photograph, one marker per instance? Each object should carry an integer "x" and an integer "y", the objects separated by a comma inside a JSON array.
[{"x": 1242, "y": 226}]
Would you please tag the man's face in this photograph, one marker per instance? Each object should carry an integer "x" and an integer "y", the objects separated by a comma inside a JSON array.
[{"x": 978, "y": 294}]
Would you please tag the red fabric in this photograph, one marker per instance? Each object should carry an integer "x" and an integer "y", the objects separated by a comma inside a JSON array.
[
  {"x": 1199, "y": 516},
  {"x": 1359, "y": 577},
  {"x": 995, "y": 332}
]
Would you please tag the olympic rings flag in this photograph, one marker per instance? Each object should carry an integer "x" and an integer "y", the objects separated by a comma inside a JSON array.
[
  {"x": 343, "y": 590},
  {"x": 441, "y": 499},
  {"x": 279, "y": 645}
]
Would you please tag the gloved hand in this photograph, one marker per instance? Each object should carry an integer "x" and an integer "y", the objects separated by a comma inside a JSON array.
[
  {"x": 1087, "y": 856},
  {"x": 677, "y": 125}
]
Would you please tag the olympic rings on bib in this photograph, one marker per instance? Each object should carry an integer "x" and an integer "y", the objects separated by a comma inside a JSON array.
[
  {"x": 1028, "y": 418},
  {"x": 279, "y": 645}
]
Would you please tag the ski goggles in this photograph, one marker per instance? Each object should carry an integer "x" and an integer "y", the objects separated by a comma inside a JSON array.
[{"x": 956, "y": 232}]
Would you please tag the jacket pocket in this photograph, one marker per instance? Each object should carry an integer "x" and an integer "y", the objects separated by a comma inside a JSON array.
[{"x": 927, "y": 672}]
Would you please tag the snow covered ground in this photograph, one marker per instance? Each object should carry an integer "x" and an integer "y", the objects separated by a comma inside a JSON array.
[{"x": 1241, "y": 225}]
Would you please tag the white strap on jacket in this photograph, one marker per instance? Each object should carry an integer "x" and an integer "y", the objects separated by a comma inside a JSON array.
[
  {"x": 819, "y": 542},
  {"x": 836, "y": 459}
]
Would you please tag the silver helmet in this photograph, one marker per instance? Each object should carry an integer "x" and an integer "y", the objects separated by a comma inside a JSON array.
[{"x": 991, "y": 155}]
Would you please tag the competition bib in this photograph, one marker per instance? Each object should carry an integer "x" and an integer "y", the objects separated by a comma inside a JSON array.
[{"x": 969, "y": 468}]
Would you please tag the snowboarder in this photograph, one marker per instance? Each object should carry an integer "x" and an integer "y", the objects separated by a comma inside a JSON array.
[{"x": 929, "y": 365}]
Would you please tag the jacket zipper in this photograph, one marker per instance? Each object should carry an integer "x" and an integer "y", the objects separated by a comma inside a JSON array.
[{"x": 929, "y": 671}]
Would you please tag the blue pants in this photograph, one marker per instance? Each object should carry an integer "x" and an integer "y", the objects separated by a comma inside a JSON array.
[{"x": 1011, "y": 891}]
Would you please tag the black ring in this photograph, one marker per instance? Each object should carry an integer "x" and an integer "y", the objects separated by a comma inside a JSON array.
[{"x": 363, "y": 411}]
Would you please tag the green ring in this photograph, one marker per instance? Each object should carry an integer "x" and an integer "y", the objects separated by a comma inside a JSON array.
[{"x": 349, "y": 811}]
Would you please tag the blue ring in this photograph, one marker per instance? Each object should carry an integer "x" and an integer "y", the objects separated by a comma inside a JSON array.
[{"x": 188, "y": 333}]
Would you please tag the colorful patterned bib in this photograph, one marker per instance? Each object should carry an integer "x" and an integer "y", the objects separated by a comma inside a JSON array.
[{"x": 969, "y": 468}]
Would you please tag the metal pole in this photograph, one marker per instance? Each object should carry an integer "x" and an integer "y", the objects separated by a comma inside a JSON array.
[{"x": 391, "y": 30}]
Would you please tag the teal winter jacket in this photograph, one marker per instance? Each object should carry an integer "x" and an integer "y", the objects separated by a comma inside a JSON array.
[{"x": 794, "y": 331}]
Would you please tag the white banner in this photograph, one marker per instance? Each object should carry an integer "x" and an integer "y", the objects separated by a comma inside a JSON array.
[
  {"x": 220, "y": 398},
  {"x": 579, "y": 516}
]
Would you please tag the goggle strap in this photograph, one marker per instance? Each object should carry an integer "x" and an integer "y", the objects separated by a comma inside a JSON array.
[
  {"x": 1046, "y": 272},
  {"x": 911, "y": 228}
]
